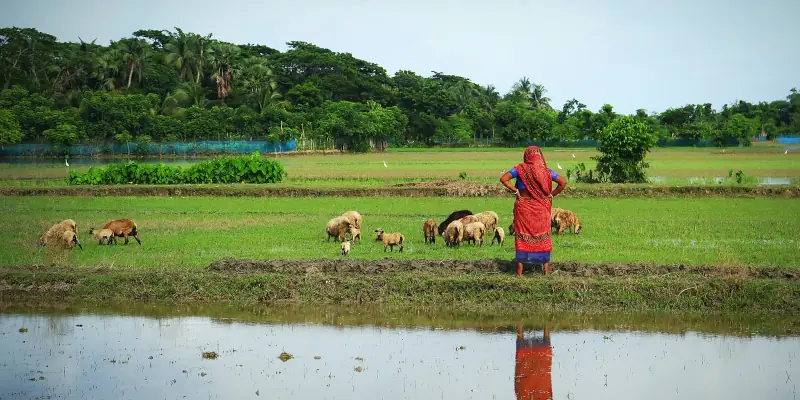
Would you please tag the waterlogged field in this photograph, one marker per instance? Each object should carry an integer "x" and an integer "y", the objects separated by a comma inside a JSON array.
[
  {"x": 100, "y": 352},
  {"x": 668, "y": 166},
  {"x": 193, "y": 232}
]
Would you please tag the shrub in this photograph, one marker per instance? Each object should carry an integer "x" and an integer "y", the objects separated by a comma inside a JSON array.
[
  {"x": 247, "y": 169},
  {"x": 624, "y": 144}
]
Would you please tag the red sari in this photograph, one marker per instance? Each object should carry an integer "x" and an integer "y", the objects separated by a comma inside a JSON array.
[{"x": 532, "y": 215}]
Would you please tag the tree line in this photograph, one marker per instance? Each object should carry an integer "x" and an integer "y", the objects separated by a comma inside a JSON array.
[{"x": 161, "y": 85}]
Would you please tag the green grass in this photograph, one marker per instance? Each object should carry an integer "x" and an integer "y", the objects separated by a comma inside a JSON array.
[
  {"x": 673, "y": 165},
  {"x": 192, "y": 232}
]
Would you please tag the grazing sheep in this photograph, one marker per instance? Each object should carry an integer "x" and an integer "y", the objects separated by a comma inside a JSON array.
[
  {"x": 468, "y": 219},
  {"x": 345, "y": 248},
  {"x": 499, "y": 236},
  {"x": 338, "y": 227},
  {"x": 56, "y": 232},
  {"x": 566, "y": 219},
  {"x": 123, "y": 228},
  {"x": 474, "y": 233},
  {"x": 455, "y": 216},
  {"x": 102, "y": 235},
  {"x": 355, "y": 233},
  {"x": 429, "y": 230},
  {"x": 69, "y": 239},
  {"x": 553, "y": 213},
  {"x": 390, "y": 239},
  {"x": 454, "y": 234},
  {"x": 489, "y": 219},
  {"x": 354, "y": 217}
]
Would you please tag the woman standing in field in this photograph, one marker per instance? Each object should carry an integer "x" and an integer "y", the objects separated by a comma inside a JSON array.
[{"x": 534, "y": 192}]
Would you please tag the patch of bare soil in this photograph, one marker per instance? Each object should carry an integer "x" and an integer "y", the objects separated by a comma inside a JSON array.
[{"x": 391, "y": 266}]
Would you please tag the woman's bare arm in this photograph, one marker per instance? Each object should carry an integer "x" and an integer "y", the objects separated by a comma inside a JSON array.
[
  {"x": 562, "y": 183},
  {"x": 506, "y": 181}
]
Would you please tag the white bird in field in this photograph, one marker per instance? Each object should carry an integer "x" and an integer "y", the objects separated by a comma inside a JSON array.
[
  {"x": 786, "y": 152},
  {"x": 384, "y": 164},
  {"x": 573, "y": 155},
  {"x": 65, "y": 161},
  {"x": 559, "y": 165}
]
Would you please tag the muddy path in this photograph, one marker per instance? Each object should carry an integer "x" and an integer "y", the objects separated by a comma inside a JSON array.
[
  {"x": 577, "y": 269},
  {"x": 418, "y": 189}
]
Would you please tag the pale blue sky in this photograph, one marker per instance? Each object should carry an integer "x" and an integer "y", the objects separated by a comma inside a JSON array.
[{"x": 631, "y": 54}]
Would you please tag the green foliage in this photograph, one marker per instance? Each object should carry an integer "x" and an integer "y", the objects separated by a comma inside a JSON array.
[
  {"x": 581, "y": 175},
  {"x": 462, "y": 175},
  {"x": 624, "y": 143},
  {"x": 163, "y": 83},
  {"x": 9, "y": 128},
  {"x": 64, "y": 134},
  {"x": 248, "y": 169}
]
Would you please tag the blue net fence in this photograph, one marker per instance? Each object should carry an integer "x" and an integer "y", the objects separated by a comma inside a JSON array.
[
  {"x": 789, "y": 139},
  {"x": 151, "y": 149}
]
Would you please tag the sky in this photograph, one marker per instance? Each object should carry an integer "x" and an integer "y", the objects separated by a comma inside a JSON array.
[{"x": 631, "y": 54}]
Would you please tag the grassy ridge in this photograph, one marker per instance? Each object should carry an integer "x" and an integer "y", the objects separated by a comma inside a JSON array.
[
  {"x": 479, "y": 292},
  {"x": 181, "y": 233}
]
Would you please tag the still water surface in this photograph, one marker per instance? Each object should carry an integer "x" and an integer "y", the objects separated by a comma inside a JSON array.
[{"x": 94, "y": 356}]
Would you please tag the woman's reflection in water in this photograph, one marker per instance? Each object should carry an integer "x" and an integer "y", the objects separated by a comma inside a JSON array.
[{"x": 532, "y": 379}]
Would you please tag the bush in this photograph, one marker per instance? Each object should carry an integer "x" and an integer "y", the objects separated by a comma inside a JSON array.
[
  {"x": 624, "y": 144},
  {"x": 247, "y": 169}
]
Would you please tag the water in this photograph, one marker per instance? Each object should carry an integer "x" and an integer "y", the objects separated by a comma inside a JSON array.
[{"x": 104, "y": 356}]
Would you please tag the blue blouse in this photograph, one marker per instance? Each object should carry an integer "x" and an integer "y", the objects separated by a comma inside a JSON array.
[{"x": 520, "y": 184}]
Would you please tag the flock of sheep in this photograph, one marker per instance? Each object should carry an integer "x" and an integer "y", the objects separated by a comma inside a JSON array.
[
  {"x": 64, "y": 234},
  {"x": 460, "y": 226}
]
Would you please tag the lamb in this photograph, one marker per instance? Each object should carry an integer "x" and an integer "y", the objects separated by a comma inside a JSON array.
[
  {"x": 566, "y": 219},
  {"x": 123, "y": 228},
  {"x": 489, "y": 219},
  {"x": 454, "y": 233},
  {"x": 390, "y": 239},
  {"x": 454, "y": 216},
  {"x": 102, "y": 235},
  {"x": 338, "y": 227},
  {"x": 345, "y": 248},
  {"x": 354, "y": 217},
  {"x": 56, "y": 232},
  {"x": 355, "y": 233},
  {"x": 429, "y": 231},
  {"x": 499, "y": 236},
  {"x": 474, "y": 233}
]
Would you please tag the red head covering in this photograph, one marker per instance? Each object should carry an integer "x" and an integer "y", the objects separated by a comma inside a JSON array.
[{"x": 535, "y": 174}]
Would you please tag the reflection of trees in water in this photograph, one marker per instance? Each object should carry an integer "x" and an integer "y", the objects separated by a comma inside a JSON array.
[{"x": 533, "y": 364}]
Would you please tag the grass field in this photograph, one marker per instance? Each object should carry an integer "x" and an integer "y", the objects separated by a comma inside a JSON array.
[
  {"x": 670, "y": 166},
  {"x": 193, "y": 232}
]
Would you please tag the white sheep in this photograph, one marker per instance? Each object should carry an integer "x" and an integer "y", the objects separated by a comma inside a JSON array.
[
  {"x": 490, "y": 220},
  {"x": 354, "y": 217},
  {"x": 56, "y": 232},
  {"x": 338, "y": 227},
  {"x": 474, "y": 233},
  {"x": 355, "y": 233},
  {"x": 454, "y": 233},
  {"x": 345, "y": 248}
]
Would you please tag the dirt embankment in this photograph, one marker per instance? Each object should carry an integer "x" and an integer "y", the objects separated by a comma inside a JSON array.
[
  {"x": 389, "y": 266},
  {"x": 446, "y": 188}
]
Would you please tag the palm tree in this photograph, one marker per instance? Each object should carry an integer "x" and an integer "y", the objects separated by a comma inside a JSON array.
[
  {"x": 136, "y": 54},
  {"x": 182, "y": 53},
  {"x": 224, "y": 65},
  {"x": 258, "y": 81},
  {"x": 538, "y": 98}
]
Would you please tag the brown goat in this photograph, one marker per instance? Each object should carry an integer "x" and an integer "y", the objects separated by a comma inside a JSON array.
[
  {"x": 429, "y": 230},
  {"x": 123, "y": 228}
]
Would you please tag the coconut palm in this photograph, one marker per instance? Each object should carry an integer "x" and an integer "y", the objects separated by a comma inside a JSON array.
[
  {"x": 225, "y": 67},
  {"x": 136, "y": 54},
  {"x": 257, "y": 80},
  {"x": 182, "y": 54}
]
